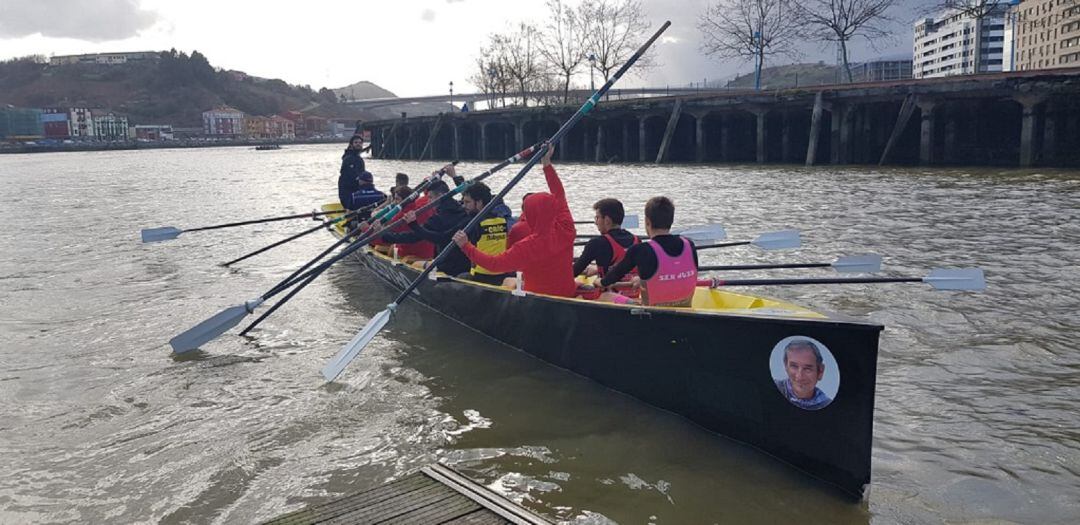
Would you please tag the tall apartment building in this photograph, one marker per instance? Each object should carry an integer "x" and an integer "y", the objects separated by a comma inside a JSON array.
[
  {"x": 1047, "y": 34},
  {"x": 223, "y": 122},
  {"x": 946, "y": 46}
]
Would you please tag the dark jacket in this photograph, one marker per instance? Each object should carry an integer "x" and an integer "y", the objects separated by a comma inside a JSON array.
[
  {"x": 352, "y": 165},
  {"x": 439, "y": 229}
]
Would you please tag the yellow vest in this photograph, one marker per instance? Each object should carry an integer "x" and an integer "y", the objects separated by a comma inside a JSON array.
[{"x": 492, "y": 241}]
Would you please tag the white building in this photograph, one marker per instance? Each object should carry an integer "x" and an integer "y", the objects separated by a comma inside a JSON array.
[
  {"x": 946, "y": 46},
  {"x": 223, "y": 122},
  {"x": 80, "y": 123},
  {"x": 111, "y": 127}
]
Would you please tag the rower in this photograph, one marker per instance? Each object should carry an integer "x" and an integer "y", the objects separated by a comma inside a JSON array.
[
  {"x": 666, "y": 263},
  {"x": 490, "y": 236},
  {"x": 610, "y": 248},
  {"x": 544, "y": 256},
  {"x": 449, "y": 217}
]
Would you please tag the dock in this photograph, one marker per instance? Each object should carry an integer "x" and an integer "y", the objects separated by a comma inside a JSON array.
[{"x": 435, "y": 495}]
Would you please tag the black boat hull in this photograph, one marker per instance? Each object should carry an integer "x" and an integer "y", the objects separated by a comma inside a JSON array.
[{"x": 710, "y": 368}]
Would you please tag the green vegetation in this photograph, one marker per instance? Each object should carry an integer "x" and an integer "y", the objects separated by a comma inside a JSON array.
[
  {"x": 175, "y": 89},
  {"x": 790, "y": 75}
]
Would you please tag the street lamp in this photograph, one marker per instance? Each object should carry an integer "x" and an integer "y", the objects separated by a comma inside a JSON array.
[
  {"x": 592, "y": 72},
  {"x": 451, "y": 93}
]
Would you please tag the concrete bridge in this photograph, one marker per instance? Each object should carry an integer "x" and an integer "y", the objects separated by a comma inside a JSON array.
[
  {"x": 574, "y": 94},
  {"x": 1023, "y": 119}
]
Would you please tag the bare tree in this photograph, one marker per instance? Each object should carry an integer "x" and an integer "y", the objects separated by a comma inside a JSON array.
[
  {"x": 978, "y": 10},
  {"x": 613, "y": 31},
  {"x": 750, "y": 30},
  {"x": 841, "y": 21},
  {"x": 562, "y": 43},
  {"x": 491, "y": 74},
  {"x": 520, "y": 58}
]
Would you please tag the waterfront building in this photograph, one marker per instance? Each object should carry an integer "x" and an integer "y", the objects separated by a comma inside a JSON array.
[
  {"x": 223, "y": 121},
  {"x": 104, "y": 58},
  {"x": 54, "y": 123},
  {"x": 282, "y": 128},
  {"x": 947, "y": 45},
  {"x": 111, "y": 127},
  {"x": 256, "y": 127},
  {"x": 152, "y": 132},
  {"x": 1047, "y": 34},
  {"x": 20, "y": 123},
  {"x": 882, "y": 70}
]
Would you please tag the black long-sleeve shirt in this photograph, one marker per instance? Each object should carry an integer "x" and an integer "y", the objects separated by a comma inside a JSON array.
[
  {"x": 644, "y": 259},
  {"x": 439, "y": 229},
  {"x": 599, "y": 250}
]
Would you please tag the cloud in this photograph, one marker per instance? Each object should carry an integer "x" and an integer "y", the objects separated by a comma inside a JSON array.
[
  {"x": 428, "y": 15},
  {"x": 94, "y": 21}
]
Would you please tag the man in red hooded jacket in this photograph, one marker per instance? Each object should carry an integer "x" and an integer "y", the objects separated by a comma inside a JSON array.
[{"x": 544, "y": 257}]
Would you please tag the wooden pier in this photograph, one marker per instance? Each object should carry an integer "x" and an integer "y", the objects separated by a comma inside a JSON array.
[{"x": 434, "y": 495}]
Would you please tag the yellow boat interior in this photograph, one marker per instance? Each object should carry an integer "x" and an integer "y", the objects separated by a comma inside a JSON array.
[{"x": 706, "y": 300}]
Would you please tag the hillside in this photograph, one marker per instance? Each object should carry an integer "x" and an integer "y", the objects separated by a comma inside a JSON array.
[
  {"x": 790, "y": 75},
  {"x": 173, "y": 90},
  {"x": 362, "y": 90}
]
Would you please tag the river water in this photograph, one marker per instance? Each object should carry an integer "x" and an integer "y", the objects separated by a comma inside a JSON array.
[{"x": 978, "y": 396}]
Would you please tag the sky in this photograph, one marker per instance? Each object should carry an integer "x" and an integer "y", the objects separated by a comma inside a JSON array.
[{"x": 411, "y": 47}]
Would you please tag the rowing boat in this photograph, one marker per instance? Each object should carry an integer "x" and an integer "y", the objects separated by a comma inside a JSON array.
[{"x": 719, "y": 363}]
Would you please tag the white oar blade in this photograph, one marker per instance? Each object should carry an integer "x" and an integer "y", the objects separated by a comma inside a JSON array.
[
  {"x": 957, "y": 279},
  {"x": 781, "y": 240},
  {"x": 160, "y": 234},
  {"x": 868, "y": 263},
  {"x": 705, "y": 233},
  {"x": 630, "y": 222},
  {"x": 209, "y": 329},
  {"x": 351, "y": 350}
]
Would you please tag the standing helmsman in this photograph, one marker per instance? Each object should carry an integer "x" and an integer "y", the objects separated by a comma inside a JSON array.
[{"x": 355, "y": 185}]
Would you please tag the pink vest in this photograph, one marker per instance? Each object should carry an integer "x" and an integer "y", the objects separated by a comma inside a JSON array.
[{"x": 675, "y": 279}]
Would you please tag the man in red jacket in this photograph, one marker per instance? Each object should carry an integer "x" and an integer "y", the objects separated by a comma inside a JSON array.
[{"x": 544, "y": 257}]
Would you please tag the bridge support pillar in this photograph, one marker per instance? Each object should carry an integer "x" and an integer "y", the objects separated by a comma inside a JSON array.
[
  {"x": 926, "y": 133},
  {"x": 456, "y": 147},
  {"x": 785, "y": 137},
  {"x": 1049, "y": 142},
  {"x": 948, "y": 154},
  {"x": 519, "y": 136},
  {"x": 725, "y": 137},
  {"x": 600, "y": 155},
  {"x": 762, "y": 145},
  {"x": 699, "y": 138},
  {"x": 815, "y": 129},
  {"x": 641, "y": 139},
  {"x": 1027, "y": 129},
  {"x": 483, "y": 147},
  {"x": 627, "y": 130}
]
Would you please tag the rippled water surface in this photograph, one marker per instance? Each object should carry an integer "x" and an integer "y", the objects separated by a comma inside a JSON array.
[{"x": 978, "y": 400}]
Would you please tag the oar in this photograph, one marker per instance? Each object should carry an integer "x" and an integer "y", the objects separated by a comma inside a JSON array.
[
  {"x": 848, "y": 264},
  {"x": 703, "y": 233},
  {"x": 316, "y": 228},
  {"x": 213, "y": 327},
  {"x": 167, "y": 233},
  {"x": 779, "y": 240},
  {"x": 364, "y": 336},
  {"x": 939, "y": 278},
  {"x": 629, "y": 222}
]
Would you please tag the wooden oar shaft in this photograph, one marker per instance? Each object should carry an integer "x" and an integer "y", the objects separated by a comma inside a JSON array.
[
  {"x": 761, "y": 266},
  {"x": 822, "y": 280}
]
